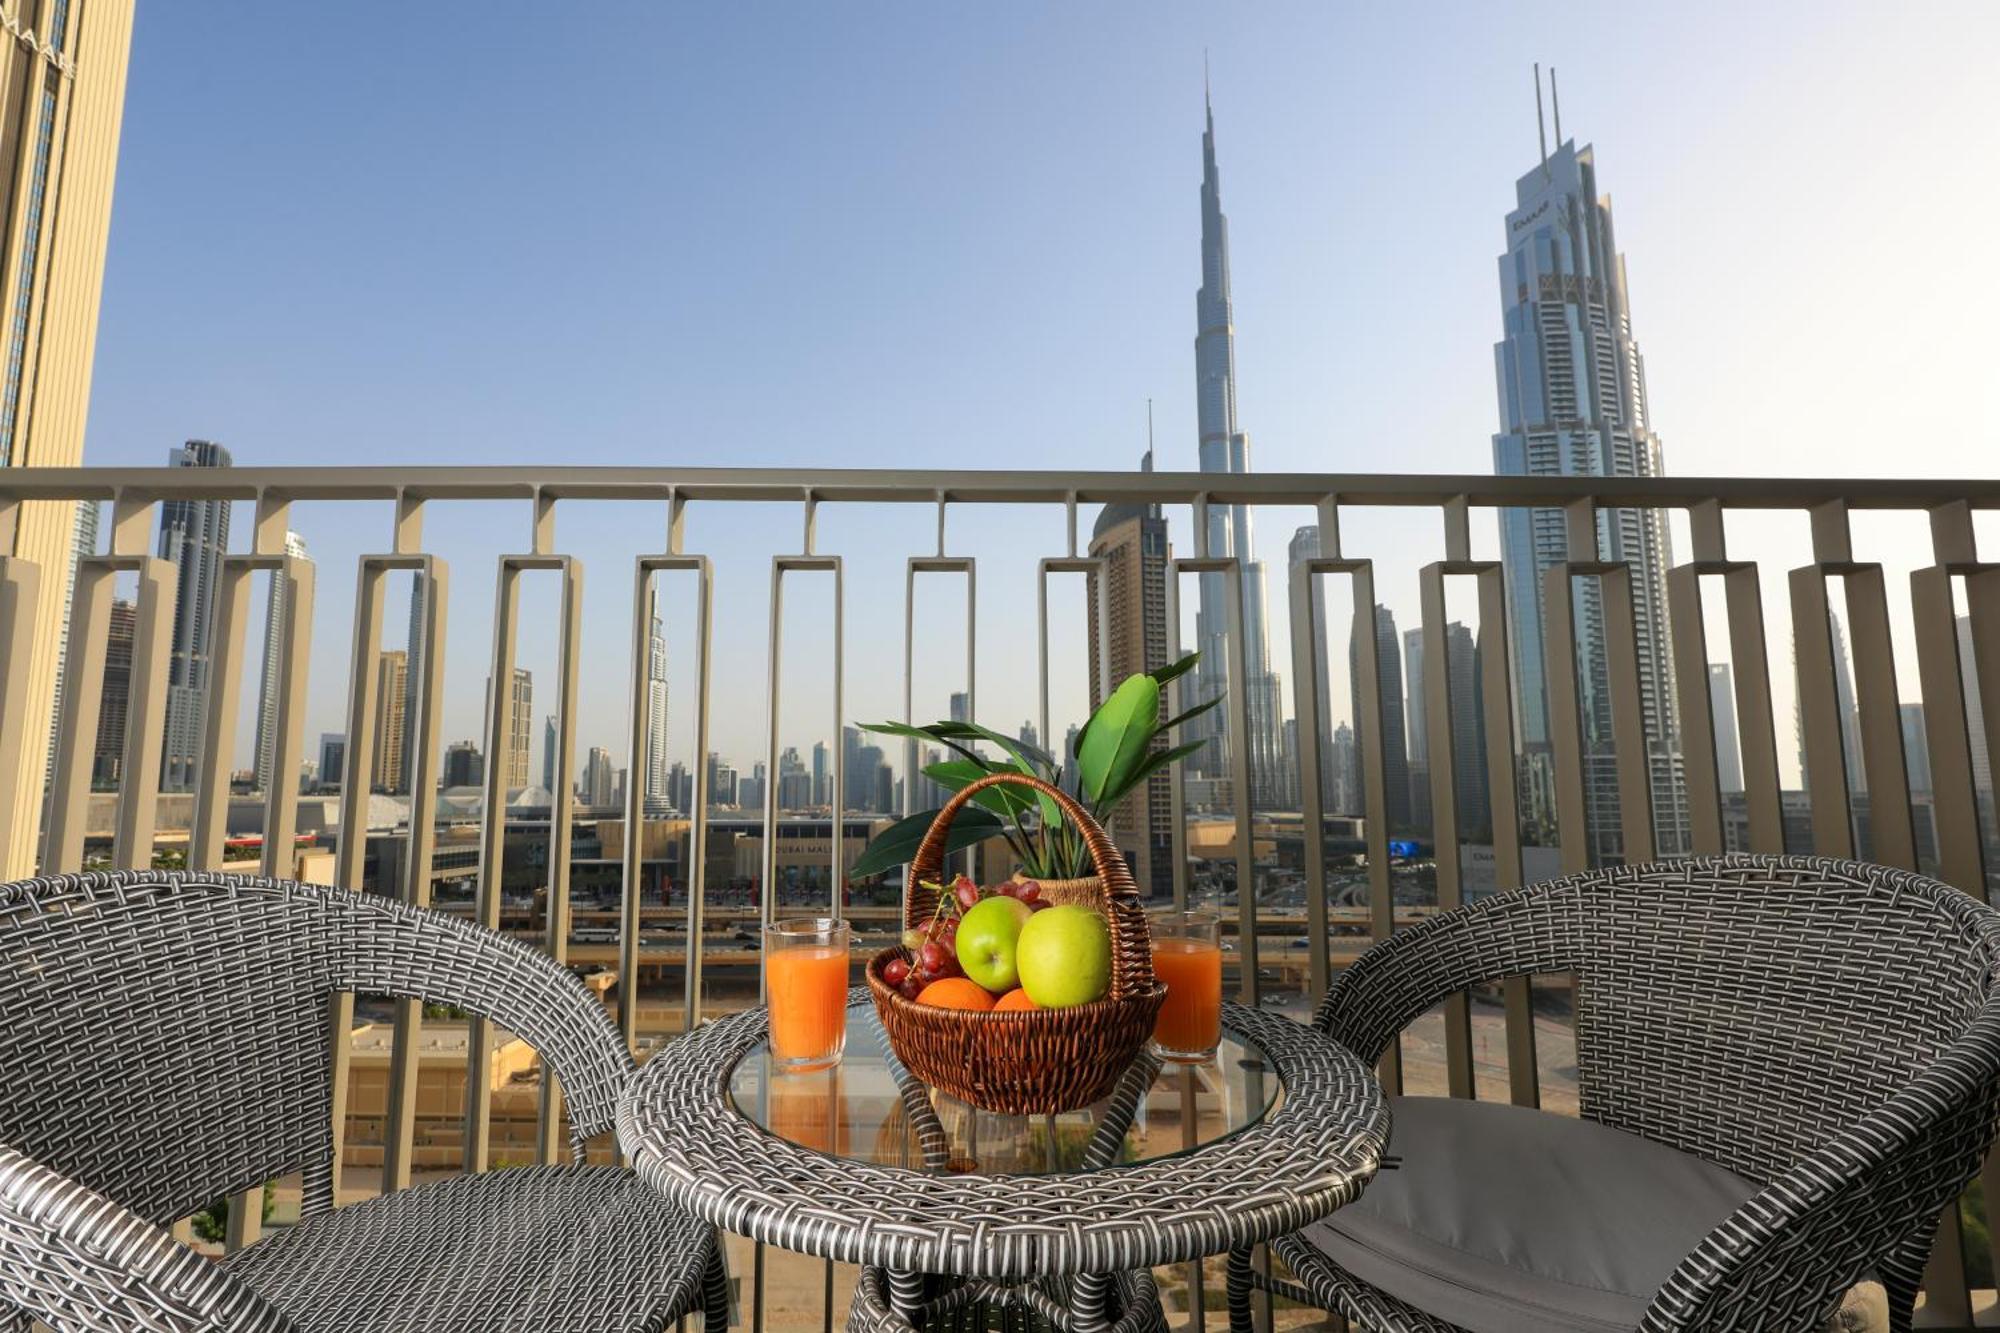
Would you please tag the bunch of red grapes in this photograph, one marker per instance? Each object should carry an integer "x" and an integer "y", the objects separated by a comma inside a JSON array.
[{"x": 933, "y": 946}]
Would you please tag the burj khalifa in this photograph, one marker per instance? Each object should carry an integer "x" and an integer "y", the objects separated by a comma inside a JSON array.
[{"x": 1224, "y": 448}]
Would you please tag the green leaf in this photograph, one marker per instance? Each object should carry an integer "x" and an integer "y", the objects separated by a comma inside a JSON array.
[
  {"x": 1150, "y": 765},
  {"x": 1030, "y": 759},
  {"x": 930, "y": 733},
  {"x": 895, "y": 845},
  {"x": 1191, "y": 713},
  {"x": 956, "y": 774},
  {"x": 1120, "y": 731},
  {"x": 1180, "y": 668}
]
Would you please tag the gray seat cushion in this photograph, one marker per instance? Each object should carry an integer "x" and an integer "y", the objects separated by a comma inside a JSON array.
[
  {"x": 1507, "y": 1220},
  {"x": 530, "y": 1250}
]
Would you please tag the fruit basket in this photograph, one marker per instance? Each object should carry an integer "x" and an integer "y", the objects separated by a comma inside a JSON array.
[{"x": 1035, "y": 1061}]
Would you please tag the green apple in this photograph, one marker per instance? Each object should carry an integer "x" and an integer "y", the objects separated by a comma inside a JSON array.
[
  {"x": 986, "y": 938},
  {"x": 1065, "y": 957}
]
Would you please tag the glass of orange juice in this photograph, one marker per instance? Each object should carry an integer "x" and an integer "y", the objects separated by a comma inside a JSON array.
[
  {"x": 805, "y": 988},
  {"x": 1187, "y": 956}
]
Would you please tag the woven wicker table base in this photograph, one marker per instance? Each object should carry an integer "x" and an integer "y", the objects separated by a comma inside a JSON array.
[{"x": 886, "y": 1302}]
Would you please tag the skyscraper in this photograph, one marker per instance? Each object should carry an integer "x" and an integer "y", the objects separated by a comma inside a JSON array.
[
  {"x": 1470, "y": 789},
  {"x": 512, "y": 755},
  {"x": 1845, "y": 706},
  {"x": 658, "y": 796},
  {"x": 107, "y": 764},
  {"x": 1305, "y": 546},
  {"x": 549, "y": 754},
  {"x": 332, "y": 758},
  {"x": 59, "y": 134},
  {"x": 194, "y": 536},
  {"x": 1131, "y": 539},
  {"x": 1419, "y": 726},
  {"x": 83, "y": 543},
  {"x": 464, "y": 765},
  {"x": 1975, "y": 716},
  {"x": 419, "y": 587},
  {"x": 1224, "y": 448},
  {"x": 600, "y": 778},
  {"x": 822, "y": 788},
  {"x": 1916, "y": 747},
  {"x": 1728, "y": 743},
  {"x": 1395, "y": 758},
  {"x": 1573, "y": 403},
  {"x": 392, "y": 695},
  {"x": 269, "y": 687}
]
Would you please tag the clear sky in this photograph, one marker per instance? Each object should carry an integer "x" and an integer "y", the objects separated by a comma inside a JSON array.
[{"x": 906, "y": 235}]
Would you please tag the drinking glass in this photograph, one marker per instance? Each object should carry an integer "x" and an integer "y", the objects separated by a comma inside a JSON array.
[
  {"x": 1187, "y": 956},
  {"x": 805, "y": 988}
]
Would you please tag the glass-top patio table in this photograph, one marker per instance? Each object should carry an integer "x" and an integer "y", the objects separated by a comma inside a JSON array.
[{"x": 946, "y": 1207}]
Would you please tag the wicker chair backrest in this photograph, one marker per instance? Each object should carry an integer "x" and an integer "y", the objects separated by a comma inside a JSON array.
[
  {"x": 163, "y": 1036},
  {"x": 1749, "y": 1008}
]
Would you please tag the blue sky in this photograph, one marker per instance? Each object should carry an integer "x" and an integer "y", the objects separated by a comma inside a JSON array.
[{"x": 899, "y": 235}]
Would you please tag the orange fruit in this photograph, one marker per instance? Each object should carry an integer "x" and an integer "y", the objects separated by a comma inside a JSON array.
[
  {"x": 956, "y": 993},
  {"x": 1016, "y": 999}
]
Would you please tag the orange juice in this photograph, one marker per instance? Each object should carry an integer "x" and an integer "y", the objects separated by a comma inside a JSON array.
[
  {"x": 1190, "y": 1022},
  {"x": 806, "y": 987}
]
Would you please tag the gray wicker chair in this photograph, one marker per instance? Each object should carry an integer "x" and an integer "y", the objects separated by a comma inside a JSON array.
[
  {"x": 1826, "y": 1031},
  {"x": 164, "y": 1042}
]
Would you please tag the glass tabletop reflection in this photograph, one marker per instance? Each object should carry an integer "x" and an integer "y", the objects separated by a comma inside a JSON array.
[{"x": 858, "y": 1110}]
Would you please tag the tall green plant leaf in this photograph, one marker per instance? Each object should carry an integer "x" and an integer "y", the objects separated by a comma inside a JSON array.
[
  {"x": 1191, "y": 713},
  {"x": 895, "y": 845},
  {"x": 1120, "y": 731},
  {"x": 1151, "y": 764},
  {"x": 1029, "y": 759},
  {"x": 930, "y": 733},
  {"x": 1173, "y": 669},
  {"x": 955, "y": 774}
]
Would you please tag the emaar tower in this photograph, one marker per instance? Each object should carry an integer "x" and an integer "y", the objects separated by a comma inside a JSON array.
[{"x": 1573, "y": 403}]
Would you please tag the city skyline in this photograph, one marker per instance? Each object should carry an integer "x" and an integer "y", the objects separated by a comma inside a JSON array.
[{"x": 1296, "y": 272}]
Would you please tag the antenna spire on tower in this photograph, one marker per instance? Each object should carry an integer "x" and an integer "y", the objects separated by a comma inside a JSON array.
[
  {"x": 1556, "y": 105},
  {"x": 1147, "y": 466},
  {"x": 1541, "y": 132},
  {"x": 1206, "y": 105}
]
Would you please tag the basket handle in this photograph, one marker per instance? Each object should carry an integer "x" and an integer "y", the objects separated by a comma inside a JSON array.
[{"x": 1131, "y": 945}]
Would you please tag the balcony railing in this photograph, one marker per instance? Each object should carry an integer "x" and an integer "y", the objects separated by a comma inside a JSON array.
[{"x": 1305, "y": 886}]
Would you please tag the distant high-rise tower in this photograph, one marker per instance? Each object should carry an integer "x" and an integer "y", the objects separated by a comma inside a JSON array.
[
  {"x": 822, "y": 778},
  {"x": 464, "y": 766},
  {"x": 59, "y": 128},
  {"x": 510, "y": 752},
  {"x": 1224, "y": 448},
  {"x": 83, "y": 543},
  {"x": 1845, "y": 706},
  {"x": 1975, "y": 715},
  {"x": 269, "y": 687},
  {"x": 1471, "y": 792},
  {"x": 1419, "y": 729},
  {"x": 415, "y": 646},
  {"x": 1395, "y": 758},
  {"x": 658, "y": 794},
  {"x": 1728, "y": 743},
  {"x": 1132, "y": 541},
  {"x": 194, "y": 536},
  {"x": 1334, "y": 796},
  {"x": 332, "y": 758},
  {"x": 107, "y": 764},
  {"x": 392, "y": 687},
  {"x": 599, "y": 778},
  {"x": 1573, "y": 403},
  {"x": 549, "y": 744}
]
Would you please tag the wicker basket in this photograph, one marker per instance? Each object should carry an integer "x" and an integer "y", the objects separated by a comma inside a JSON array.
[
  {"x": 1085, "y": 892},
  {"x": 1038, "y": 1061}
]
